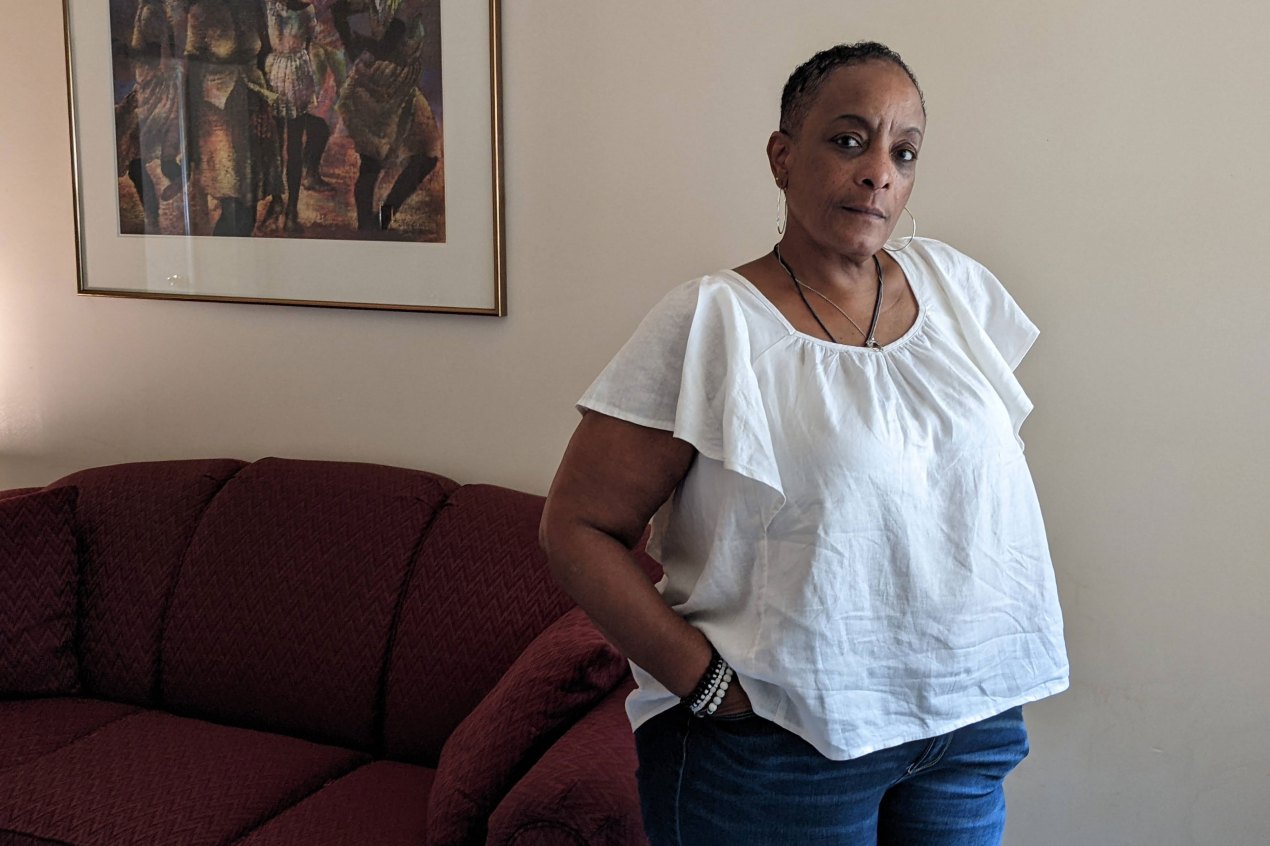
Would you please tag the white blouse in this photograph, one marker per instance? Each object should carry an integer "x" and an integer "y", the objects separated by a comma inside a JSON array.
[{"x": 859, "y": 536}]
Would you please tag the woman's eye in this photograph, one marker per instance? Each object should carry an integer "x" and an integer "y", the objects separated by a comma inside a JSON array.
[
  {"x": 847, "y": 141},
  {"x": 906, "y": 155}
]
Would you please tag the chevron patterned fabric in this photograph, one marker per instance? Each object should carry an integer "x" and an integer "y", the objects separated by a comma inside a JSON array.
[
  {"x": 384, "y": 797},
  {"x": 481, "y": 594},
  {"x": 135, "y": 522},
  {"x": 35, "y": 727},
  {"x": 38, "y": 584},
  {"x": 282, "y": 615},
  {"x": 152, "y": 778},
  {"x": 599, "y": 811},
  {"x": 554, "y": 681},
  {"x": 277, "y": 653}
]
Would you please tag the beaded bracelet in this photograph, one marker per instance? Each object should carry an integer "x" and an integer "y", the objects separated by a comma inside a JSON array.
[{"x": 710, "y": 690}]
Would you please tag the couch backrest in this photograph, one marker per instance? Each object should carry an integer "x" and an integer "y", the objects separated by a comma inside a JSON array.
[
  {"x": 481, "y": 593},
  {"x": 134, "y": 522},
  {"x": 284, "y": 609},
  {"x": 357, "y": 604}
]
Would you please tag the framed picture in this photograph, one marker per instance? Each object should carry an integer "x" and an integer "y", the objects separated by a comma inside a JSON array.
[{"x": 342, "y": 153}]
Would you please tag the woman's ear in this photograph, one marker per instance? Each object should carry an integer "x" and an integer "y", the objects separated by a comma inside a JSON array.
[{"x": 777, "y": 156}]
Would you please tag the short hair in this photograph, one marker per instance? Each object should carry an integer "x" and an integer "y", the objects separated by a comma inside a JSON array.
[{"x": 807, "y": 78}]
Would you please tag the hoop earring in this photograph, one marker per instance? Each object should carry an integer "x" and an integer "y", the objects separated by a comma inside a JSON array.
[
  {"x": 895, "y": 246},
  {"x": 781, "y": 210}
]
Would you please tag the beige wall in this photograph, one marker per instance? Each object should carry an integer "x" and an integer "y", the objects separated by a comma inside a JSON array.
[{"x": 1107, "y": 159}]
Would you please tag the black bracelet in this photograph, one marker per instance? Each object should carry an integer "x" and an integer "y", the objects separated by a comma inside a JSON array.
[
  {"x": 713, "y": 686},
  {"x": 714, "y": 671}
]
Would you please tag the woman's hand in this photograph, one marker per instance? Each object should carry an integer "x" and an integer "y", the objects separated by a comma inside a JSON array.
[{"x": 735, "y": 702}]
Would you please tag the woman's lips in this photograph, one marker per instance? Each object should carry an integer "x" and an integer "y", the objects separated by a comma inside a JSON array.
[{"x": 868, "y": 211}]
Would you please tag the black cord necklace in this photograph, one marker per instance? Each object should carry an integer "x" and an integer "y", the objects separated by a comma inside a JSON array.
[{"x": 869, "y": 339}]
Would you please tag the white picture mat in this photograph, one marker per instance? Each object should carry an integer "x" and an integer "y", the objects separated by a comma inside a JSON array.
[{"x": 458, "y": 274}]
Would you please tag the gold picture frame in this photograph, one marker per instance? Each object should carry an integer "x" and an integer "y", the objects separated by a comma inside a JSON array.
[{"x": 338, "y": 153}]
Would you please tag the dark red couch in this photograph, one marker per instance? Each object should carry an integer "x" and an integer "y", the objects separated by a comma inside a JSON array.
[{"x": 298, "y": 652}]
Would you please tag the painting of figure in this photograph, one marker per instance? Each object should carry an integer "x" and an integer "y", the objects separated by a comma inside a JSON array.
[{"x": 279, "y": 118}]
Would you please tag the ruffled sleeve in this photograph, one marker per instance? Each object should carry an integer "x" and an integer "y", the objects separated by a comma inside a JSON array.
[
  {"x": 979, "y": 296},
  {"x": 689, "y": 369},
  {"x": 997, "y": 332},
  {"x": 641, "y": 383}
]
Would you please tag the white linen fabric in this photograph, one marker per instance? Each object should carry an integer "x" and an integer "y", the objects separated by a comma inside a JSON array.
[{"x": 859, "y": 535}]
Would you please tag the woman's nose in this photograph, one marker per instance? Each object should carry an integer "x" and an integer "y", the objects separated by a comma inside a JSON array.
[{"x": 875, "y": 170}]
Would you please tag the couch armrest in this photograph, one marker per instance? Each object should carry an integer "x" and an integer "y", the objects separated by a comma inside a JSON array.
[{"x": 582, "y": 790}]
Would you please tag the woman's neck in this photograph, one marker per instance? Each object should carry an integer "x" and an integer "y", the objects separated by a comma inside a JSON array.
[{"x": 829, "y": 271}]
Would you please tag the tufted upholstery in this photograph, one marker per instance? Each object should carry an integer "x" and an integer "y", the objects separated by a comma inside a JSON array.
[
  {"x": 37, "y": 587},
  {"x": 482, "y": 553},
  {"x": 285, "y": 624},
  {"x": 134, "y": 522},
  {"x": 35, "y": 727},
  {"x": 578, "y": 810},
  {"x": 278, "y": 652},
  {"x": 155, "y": 778},
  {"x": 559, "y": 677},
  {"x": 382, "y": 797}
]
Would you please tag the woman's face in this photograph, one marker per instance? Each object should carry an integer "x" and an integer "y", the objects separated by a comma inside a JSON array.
[{"x": 849, "y": 168}]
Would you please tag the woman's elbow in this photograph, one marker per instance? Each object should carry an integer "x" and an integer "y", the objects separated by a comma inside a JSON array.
[{"x": 556, "y": 534}]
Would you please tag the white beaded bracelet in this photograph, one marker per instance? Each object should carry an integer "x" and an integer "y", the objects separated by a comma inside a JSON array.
[
  {"x": 705, "y": 700},
  {"x": 720, "y": 692}
]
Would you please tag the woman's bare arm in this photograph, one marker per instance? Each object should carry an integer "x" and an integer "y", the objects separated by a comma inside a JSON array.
[{"x": 613, "y": 478}]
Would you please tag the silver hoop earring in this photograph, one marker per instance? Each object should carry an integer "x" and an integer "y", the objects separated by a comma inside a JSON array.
[
  {"x": 781, "y": 210},
  {"x": 902, "y": 244}
]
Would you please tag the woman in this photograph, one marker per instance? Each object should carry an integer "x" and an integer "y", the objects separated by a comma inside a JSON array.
[
  {"x": 291, "y": 75},
  {"x": 155, "y": 157},
  {"x": 858, "y": 595},
  {"x": 381, "y": 105},
  {"x": 234, "y": 154}
]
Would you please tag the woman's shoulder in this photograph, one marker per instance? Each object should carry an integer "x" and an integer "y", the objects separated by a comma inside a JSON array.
[
  {"x": 723, "y": 291},
  {"x": 943, "y": 257},
  {"x": 974, "y": 293},
  {"x": 721, "y": 283},
  {"x": 721, "y": 311},
  {"x": 954, "y": 271}
]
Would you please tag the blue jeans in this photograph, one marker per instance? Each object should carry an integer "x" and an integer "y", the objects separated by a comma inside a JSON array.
[{"x": 746, "y": 780}]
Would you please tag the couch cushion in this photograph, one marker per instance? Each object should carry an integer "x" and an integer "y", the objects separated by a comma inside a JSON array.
[
  {"x": 384, "y": 803},
  {"x": 282, "y": 615},
  {"x": 30, "y": 728},
  {"x": 480, "y": 593},
  {"x": 566, "y": 670},
  {"x": 38, "y": 585},
  {"x": 154, "y": 778},
  {"x": 135, "y": 522},
  {"x": 10, "y": 838}
]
